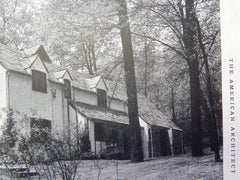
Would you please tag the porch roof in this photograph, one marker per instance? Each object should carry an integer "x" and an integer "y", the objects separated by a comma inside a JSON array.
[{"x": 101, "y": 113}]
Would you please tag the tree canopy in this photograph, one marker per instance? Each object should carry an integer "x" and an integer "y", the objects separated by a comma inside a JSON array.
[{"x": 175, "y": 44}]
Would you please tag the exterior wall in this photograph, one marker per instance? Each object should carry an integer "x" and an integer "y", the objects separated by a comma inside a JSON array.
[
  {"x": 72, "y": 118},
  {"x": 117, "y": 105},
  {"x": 37, "y": 104},
  {"x": 101, "y": 85},
  {"x": 84, "y": 97},
  {"x": 38, "y": 65},
  {"x": 67, "y": 76},
  {"x": 59, "y": 106},
  {"x": 82, "y": 121},
  {"x": 77, "y": 119},
  {"x": 73, "y": 124},
  {"x": 178, "y": 147},
  {"x": 3, "y": 88},
  {"x": 3, "y": 94},
  {"x": 145, "y": 137}
]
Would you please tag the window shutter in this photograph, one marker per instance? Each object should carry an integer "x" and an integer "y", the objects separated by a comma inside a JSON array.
[
  {"x": 39, "y": 81},
  {"x": 102, "y": 97},
  {"x": 67, "y": 87}
]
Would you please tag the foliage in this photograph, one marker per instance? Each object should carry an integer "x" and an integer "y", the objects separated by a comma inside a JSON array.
[
  {"x": 53, "y": 155},
  {"x": 161, "y": 22},
  {"x": 84, "y": 35},
  {"x": 15, "y": 23},
  {"x": 12, "y": 122}
]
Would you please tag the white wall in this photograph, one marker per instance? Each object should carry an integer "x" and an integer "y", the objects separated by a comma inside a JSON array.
[
  {"x": 84, "y": 97},
  {"x": 38, "y": 65},
  {"x": 3, "y": 88},
  {"x": 73, "y": 124},
  {"x": 3, "y": 95},
  {"x": 82, "y": 121},
  {"x": 117, "y": 105},
  {"x": 38, "y": 104},
  {"x": 59, "y": 106},
  {"x": 101, "y": 85}
]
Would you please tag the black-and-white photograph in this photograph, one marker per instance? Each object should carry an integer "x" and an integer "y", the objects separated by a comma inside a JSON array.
[{"x": 111, "y": 90}]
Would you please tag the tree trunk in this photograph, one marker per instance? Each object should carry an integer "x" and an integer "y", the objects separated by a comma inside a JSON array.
[
  {"x": 190, "y": 42},
  {"x": 195, "y": 91},
  {"x": 136, "y": 152},
  {"x": 213, "y": 120},
  {"x": 146, "y": 68},
  {"x": 173, "y": 106}
]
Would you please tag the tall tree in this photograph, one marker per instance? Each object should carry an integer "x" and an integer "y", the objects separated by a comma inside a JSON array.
[
  {"x": 190, "y": 42},
  {"x": 177, "y": 20},
  {"x": 78, "y": 33},
  {"x": 135, "y": 131},
  {"x": 214, "y": 135}
]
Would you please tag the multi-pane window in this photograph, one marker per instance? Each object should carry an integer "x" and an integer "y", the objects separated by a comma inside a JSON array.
[
  {"x": 101, "y": 97},
  {"x": 39, "y": 81},
  {"x": 67, "y": 88}
]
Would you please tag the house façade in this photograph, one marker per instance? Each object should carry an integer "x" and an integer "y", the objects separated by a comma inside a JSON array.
[{"x": 64, "y": 99}]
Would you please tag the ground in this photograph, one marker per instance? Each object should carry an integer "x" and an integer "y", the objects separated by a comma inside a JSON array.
[
  {"x": 171, "y": 168},
  {"x": 182, "y": 167}
]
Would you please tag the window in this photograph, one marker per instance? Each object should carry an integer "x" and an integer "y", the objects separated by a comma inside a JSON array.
[
  {"x": 39, "y": 81},
  {"x": 40, "y": 130},
  {"x": 102, "y": 97},
  {"x": 67, "y": 88}
]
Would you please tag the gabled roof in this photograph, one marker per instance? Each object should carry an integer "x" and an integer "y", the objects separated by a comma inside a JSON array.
[
  {"x": 11, "y": 59},
  {"x": 150, "y": 114},
  {"x": 80, "y": 81},
  {"x": 14, "y": 60},
  {"x": 61, "y": 74},
  {"x": 35, "y": 58},
  {"x": 147, "y": 111},
  {"x": 31, "y": 51},
  {"x": 37, "y": 50},
  {"x": 94, "y": 81}
]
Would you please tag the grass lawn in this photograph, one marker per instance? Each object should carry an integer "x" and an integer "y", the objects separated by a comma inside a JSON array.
[
  {"x": 169, "y": 168},
  {"x": 182, "y": 167}
]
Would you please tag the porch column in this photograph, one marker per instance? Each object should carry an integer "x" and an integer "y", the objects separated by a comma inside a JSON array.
[
  {"x": 92, "y": 136},
  {"x": 170, "y": 135}
]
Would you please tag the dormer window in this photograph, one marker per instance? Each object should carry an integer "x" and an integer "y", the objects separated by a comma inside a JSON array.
[
  {"x": 102, "y": 98},
  {"x": 39, "y": 81},
  {"x": 67, "y": 88}
]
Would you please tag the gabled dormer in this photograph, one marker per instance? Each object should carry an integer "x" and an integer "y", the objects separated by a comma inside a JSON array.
[
  {"x": 39, "y": 73},
  {"x": 65, "y": 77},
  {"x": 38, "y": 50},
  {"x": 98, "y": 84}
]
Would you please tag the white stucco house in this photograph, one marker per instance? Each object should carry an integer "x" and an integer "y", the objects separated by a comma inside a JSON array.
[{"x": 65, "y": 99}]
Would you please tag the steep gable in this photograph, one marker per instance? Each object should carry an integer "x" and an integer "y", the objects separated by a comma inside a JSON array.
[
  {"x": 64, "y": 74},
  {"x": 38, "y": 64},
  {"x": 40, "y": 51},
  {"x": 97, "y": 83}
]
